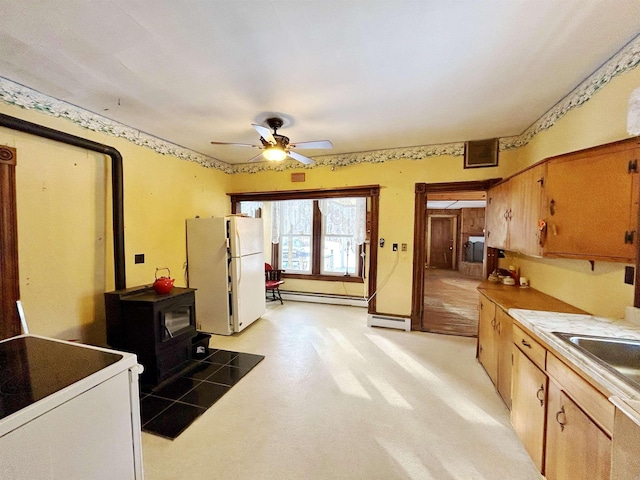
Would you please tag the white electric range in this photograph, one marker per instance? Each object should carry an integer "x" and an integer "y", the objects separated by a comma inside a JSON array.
[{"x": 68, "y": 411}]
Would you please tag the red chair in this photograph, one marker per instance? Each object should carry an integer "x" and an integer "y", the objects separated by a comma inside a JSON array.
[{"x": 273, "y": 280}]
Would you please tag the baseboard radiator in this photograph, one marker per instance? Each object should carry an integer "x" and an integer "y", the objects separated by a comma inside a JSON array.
[
  {"x": 386, "y": 321},
  {"x": 324, "y": 298}
]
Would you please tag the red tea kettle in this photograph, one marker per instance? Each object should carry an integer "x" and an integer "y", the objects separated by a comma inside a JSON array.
[{"x": 163, "y": 285}]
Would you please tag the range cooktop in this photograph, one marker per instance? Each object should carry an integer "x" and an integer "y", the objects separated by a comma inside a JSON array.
[{"x": 33, "y": 368}]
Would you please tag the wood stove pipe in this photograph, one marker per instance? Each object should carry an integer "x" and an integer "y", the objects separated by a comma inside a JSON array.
[{"x": 116, "y": 181}]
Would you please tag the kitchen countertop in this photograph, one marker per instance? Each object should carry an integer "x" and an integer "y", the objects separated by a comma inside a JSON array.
[
  {"x": 542, "y": 315},
  {"x": 543, "y": 324},
  {"x": 508, "y": 297}
]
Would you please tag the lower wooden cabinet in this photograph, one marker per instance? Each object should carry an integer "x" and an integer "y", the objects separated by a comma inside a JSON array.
[
  {"x": 576, "y": 447},
  {"x": 487, "y": 344},
  {"x": 529, "y": 406},
  {"x": 504, "y": 327},
  {"x": 625, "y": 460},
  {"x": 494, "y": 346},
  {"x": 565, "y": 422}
]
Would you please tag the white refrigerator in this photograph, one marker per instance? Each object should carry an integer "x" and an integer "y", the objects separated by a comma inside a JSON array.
[{"x": 225, "y": 264}]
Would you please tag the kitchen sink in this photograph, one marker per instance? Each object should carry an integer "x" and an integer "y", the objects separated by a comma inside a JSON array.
[{"x": 621, "y": 356}]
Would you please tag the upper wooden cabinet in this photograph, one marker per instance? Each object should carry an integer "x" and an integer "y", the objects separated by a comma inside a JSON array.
[
  {"x": 592, "y": 203},
  {"x": 513, "y": 210},
  {"x": 587, "y": 199},
  {"x": 524, "y": 234},
  {"x": 497, "y": 221}
]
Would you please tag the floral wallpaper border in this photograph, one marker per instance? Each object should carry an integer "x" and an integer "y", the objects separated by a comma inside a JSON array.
[
  {"x": 21, "y": 96},
  {"x": 625, "y": 60},
  {"x": 15, "y": 94}
]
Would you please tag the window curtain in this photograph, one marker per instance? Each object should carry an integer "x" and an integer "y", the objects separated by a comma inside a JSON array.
[
  {"x": 291, "y": 216},
  {"x": 250, "y": 208},
  {"x": 345, "y": 216}
]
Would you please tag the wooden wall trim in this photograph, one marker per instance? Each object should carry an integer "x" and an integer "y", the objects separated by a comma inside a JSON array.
[
  {"x": 373, "y": 254},
  {"x": 340, "y": 192},
  {"x": 9, "y": 278},
  {"x": 370, "y": 191},
  {"x": 420, "y": 236},
  {"x": 419, "y": 245}
]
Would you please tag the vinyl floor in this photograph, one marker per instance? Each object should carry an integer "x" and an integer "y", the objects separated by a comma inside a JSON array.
[{"x": 335, "y": 399}]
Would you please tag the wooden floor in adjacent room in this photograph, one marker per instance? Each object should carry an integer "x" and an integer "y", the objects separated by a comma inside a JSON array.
[{"x": 450, "y": 303}]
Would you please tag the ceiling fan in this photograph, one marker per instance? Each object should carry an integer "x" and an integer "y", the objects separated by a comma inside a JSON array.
[{"x": 277, "y": 147}]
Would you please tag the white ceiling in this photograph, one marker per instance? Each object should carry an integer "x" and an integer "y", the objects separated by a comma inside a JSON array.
[{"x": 366, "y": 75}]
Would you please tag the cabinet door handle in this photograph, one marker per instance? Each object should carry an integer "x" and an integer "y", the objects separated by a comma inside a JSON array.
[
  {"x": 552, "y": 207},
  {"x": 540, "y": 395},
  {"x": 493, "y": 323},
  {"x": 564, "y": 417},
  {"x": 525, "y": 343}
]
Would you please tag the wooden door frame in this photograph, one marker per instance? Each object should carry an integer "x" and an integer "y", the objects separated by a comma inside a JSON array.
[
  {"x": 419, "y": 236},
  {"x": 454, "y": 234},
  {"x": 9, "y": 279}
]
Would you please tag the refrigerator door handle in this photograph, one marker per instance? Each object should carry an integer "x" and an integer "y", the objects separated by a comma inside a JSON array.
[{"x": 238, "y": 253}]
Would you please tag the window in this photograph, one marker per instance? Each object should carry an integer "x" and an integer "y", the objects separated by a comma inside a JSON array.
[
  {"x": 314, "y": 237},
  {"x": 317, "y": 245},
  {"x": 292, "y": 229},
  {"x": 319, "y": 236},
  {"x": 343, "y": 232}
]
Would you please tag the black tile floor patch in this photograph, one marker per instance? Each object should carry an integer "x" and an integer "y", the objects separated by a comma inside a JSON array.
[{"x": 169, "y": 409}]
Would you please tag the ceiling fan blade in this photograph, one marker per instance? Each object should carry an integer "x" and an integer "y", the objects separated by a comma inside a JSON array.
[
  {"x": 301, "y": 158},
  {"x": 314, "y": 144},
  {"x": 264, "y": 133},
  {"x": 257, "y": 158},
  {"x": 235, "y": 144}
]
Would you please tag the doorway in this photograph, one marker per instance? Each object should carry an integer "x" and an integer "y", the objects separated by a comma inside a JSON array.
[{"x": 449, "y": 231}]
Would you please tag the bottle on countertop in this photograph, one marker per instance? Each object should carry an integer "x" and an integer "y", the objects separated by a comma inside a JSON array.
[{"x": 515, "y": 273}]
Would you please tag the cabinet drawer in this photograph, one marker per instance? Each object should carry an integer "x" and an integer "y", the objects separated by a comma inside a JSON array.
[
  {"x": 530, "y": 347},
  {"x": 591, "y": 401}
]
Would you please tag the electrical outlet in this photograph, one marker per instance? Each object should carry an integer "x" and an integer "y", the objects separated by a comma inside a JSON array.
[
  {"x": 404, "y": 247},
  {"x": 395, "y": 247}
]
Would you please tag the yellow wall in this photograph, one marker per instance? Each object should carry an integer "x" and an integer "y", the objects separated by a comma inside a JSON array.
[
  {"x": 397, "y": 179},
  {"x": 64, "y": 215},
  {"x": 602, "y": 119},
  {"x": 64, "y": 222}
]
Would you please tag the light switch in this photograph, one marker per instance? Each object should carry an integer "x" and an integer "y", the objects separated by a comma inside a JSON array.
[{"x": 629, "y": 275}]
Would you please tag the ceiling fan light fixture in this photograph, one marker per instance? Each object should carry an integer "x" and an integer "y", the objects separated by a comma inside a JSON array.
[{"x": 275, "y": 154}]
